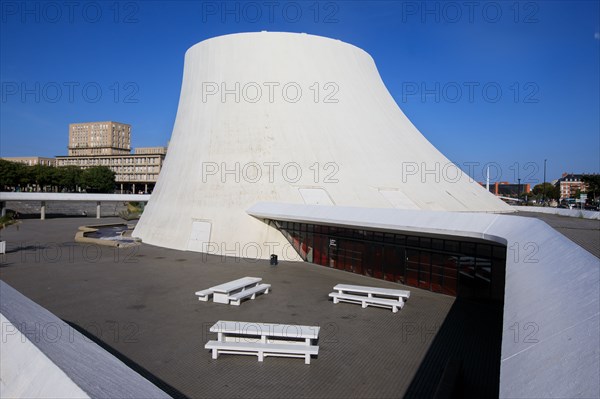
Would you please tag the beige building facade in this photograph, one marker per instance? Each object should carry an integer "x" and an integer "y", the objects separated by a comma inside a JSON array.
[
  {"x": 134, "y": 173},
  {"x": 150, "y": 150},
  {"x": 99, "y": 138},
  {"x": 108, "y": 144},
  {"x": 31, "y": 161},
  {"x": 569, "y": 184}
]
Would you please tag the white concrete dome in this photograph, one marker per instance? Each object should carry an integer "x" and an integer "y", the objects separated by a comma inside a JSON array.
[{"x": 293, "y": 118}]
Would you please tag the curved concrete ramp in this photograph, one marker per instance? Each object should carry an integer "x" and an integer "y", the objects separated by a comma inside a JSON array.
[{"x": 41, "y": 356}]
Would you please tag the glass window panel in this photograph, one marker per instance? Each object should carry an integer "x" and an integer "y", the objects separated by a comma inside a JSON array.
[
  {"x": 467, "y": 248},
  {"x": 377, "y": 260},
  {"x": 450, "y": 284},
  {"x": 499, "y": 252},
  {"x": 438, "y": 244},
  {"x": 484, "y": 250},
  {"x": 412, "y": 241},
  {"x": 466, "y": 273},
  {"x": 437, "y": 272},
  {"x": 451, "y": 246},
  {"x": 392, "y": 263},
  {"x": 412, "y": 267},
  {"x": 400, "y": 240},
  {"x": 424, "y": 269}
]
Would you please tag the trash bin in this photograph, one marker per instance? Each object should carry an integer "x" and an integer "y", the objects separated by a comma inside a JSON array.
[{"x": 273, "y": 260}]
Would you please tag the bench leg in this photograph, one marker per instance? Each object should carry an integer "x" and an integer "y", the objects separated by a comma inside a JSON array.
[
  {"x": 364, "y": 304},
  {"x": 235, "y": 303},
  {"x": 336, "y": 300},
  {"x": 253, "y": 296},
  {"x": 215, "y": 353},
  {"x": 260, "y": 356},
  {"x": 395, "y": 309},
  {"x": 267, "y": 291},
  {"x": 307, "y": 359}
]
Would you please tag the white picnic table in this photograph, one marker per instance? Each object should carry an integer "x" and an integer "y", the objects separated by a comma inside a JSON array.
[
  {"x": 264, "y": 339},
  {"x": 370, "y": 296},
  {"x": 222, "y": 292},
  {"x": 372, "y": 291},
  {"x": 266, "y": 331}
]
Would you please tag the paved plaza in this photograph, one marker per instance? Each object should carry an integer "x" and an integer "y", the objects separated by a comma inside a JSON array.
[
  {"x": 583, "y": 232},
  {"x": 140, "y": 305}
]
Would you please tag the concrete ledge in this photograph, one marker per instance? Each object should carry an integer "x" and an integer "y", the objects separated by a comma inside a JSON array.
[
  {"x": 574, "y": 213},
  {"x": 81, "y": 238},
  {"x": 19, "y": 196},
  {"x": 27, "y": 372},
  {"x": 74, "y": 364}
]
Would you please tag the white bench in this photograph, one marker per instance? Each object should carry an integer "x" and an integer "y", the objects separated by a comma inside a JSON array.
[
  {"x": 366, "y": 301},
  {"x": 375, "y": 296},
  {"x": 262, "y": 350},
  {"x": 264, "y": 339},
  {"x": 237, "y": 289},
  {"x": 204, "y": 295},
  {"x": 222, "y": 292},
  {"x": 236, "y": 299}
]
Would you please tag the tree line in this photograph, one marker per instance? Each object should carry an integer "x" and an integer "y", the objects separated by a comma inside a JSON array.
[
  {"x": 551, "y": 191},
  {"x": 16, "y": 176}
]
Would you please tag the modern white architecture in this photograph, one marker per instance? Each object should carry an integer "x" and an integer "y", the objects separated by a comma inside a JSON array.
[{"x": 291, "y": 118}]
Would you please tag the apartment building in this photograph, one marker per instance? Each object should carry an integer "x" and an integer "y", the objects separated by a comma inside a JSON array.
[
  {"x": 134, "y": 173},
  {"x": 31, "y": 161},
  {"x": 569, "y": 183},
  {"x": 99, "y": 138}
]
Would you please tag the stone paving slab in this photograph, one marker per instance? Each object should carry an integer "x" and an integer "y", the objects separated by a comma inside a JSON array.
[{"x": 140, "y": 304}]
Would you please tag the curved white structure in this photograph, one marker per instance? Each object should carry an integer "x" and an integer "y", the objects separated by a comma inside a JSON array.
[
  {"x": 44, "y": 357},
  {"x": 551, "y": 321},
  {"x": 291, "y": 118}
]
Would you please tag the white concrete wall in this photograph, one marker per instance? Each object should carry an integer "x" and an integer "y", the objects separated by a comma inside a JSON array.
[
  {"x": 41, "y": 356},
  {"x": 574, "y": 213},
  {"x": 373, "y": 155},
  {"x": 27, "y": 373},
  {"x": 551, "y": 321}
]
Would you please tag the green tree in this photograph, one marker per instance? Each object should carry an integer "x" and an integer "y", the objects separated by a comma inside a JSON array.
[
  {"x": 69, "y": 177},
  {"x": 43, "y": 175},
  {"x": 552, "y": 192},
  {"x": 12, "y": 174},
  {"x": 593, "y": 185},
  {"x": 98, "y": 179}
]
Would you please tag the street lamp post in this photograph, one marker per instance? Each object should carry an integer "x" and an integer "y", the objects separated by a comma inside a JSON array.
[
  {"x": 519, "y": 190},
  {"x": 544, "y": 187}
]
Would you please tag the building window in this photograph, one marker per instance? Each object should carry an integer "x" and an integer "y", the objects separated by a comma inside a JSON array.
[{"x": 451, "y": 267}]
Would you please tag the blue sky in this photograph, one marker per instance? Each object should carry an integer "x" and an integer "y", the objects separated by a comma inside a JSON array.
[{"x": 502, "y": 82}]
